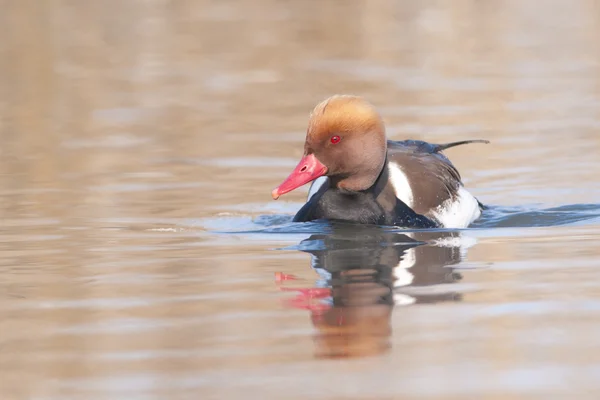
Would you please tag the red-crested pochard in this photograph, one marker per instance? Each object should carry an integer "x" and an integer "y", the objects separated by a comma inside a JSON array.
[{"x": 362, "y": 177}]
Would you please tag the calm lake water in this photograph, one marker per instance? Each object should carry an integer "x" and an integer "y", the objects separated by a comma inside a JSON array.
[{"x": 141, "y": 256}]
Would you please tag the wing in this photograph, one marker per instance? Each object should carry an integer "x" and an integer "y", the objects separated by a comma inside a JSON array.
[{"x": 430, "y": 174}]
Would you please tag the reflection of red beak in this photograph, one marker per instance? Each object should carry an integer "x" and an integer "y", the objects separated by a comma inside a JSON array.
[{"x": 307, "y": 170}]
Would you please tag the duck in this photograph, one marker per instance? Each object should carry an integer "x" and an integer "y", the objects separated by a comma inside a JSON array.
[{"x": 359, "y": 176}]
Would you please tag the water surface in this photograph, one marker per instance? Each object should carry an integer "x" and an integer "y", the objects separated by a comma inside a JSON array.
[{"x": 141, "y": 254}]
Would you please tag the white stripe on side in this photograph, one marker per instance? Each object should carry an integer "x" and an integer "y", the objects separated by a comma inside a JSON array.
[{"x": 401, "y": 184}]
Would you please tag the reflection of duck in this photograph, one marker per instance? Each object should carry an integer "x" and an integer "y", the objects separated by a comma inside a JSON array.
[{"x": 365, "y": 271}]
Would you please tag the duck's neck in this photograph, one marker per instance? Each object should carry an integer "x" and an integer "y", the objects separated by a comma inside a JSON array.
[{"x": 373, "y": 180}]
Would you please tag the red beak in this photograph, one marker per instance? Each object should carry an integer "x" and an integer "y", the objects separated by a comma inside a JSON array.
[{"x": 307, "y": 170}]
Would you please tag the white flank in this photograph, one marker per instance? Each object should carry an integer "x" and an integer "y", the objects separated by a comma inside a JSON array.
[
  {"x": 458, "y": 212},
  {"x": 316, "y": 185},
  {"x": 401, "y": 184}
]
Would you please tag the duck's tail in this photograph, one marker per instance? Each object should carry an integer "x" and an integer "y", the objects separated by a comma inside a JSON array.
[{"x": 441, "y": 147}]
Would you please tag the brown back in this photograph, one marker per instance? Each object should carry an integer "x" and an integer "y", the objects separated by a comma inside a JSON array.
[{"x": 431, "y": 175}]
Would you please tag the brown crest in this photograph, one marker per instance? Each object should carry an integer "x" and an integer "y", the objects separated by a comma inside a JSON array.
[{"x": 342, "y": 114}]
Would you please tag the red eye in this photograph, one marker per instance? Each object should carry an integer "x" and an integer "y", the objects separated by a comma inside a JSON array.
[{"x": 335, "y": 139}]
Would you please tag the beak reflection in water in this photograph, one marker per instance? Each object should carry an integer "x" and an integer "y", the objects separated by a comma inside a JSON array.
[{"x": 365, "y": 271}]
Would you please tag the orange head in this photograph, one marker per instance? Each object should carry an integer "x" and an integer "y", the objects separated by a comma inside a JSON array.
[{"x": 345, "y": 141}]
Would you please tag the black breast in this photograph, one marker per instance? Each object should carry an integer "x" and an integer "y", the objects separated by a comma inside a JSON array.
[
  {"x": 364, "y": 207},
  {"x": 359, "y": 207}
]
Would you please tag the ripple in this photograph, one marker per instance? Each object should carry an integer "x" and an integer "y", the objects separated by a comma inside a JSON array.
[{"x": 526, "y": 216}]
